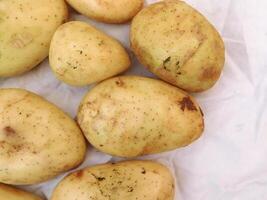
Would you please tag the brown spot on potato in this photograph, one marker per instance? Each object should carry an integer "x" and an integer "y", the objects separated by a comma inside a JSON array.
[
  {"x": 146, "y": 150},
  {"x": 9, "y": 131},
  {"x": 143, "y": 171},
  {"x": 166, "y": 61},
  {"x": 16, "y": 148},
  {"x": 98, "y": 178},
  {"x": 188, "y": 104},
  {"x": 210, "y": 73},
  {"x": 119, "y": 82},
  {"x": 79, "y": 174}
]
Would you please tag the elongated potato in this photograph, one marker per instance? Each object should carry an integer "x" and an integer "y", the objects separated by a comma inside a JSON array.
[
  {"x": 10, "y": 193},
  {"x": 131, "y": 180},
  {"x": 26, "y": 29},
  {"x": 80, "y": 54},
  {"x": 108, "y": 11},
  {"x": 178, "y": 44},
  {"x": 37, "y": 140},
  {"x": 132, "y": 116}
]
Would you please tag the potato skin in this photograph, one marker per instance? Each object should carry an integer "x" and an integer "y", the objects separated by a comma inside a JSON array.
[
  {"x": 37, "y": 140},
  {"x": 26, "y": 29},
  {"x": 131, "y": 180},
  {"x": 10, "y": 193},
  {"x": 130, "y": 116},
  {"x": 108, "y": 11},
  {"x": 178, "y": 44},
  {"x": 80, "y": 54}
]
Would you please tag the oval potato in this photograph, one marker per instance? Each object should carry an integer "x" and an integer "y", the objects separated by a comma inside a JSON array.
[
  {"x": 132, "y": 116},
  {"x": 80, "y": 54},
  {"x": 10, "y": 193},
  {"x": 178, "y": 44},
  {"x": 26, "y": 30},
  {"x": 131, "y": 180},
  {"x": 37, "y": 140},
  {"x": 108, "y": 11}
]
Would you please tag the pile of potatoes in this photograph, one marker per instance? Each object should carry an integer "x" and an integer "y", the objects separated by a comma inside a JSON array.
[{"x": 124, "y": 116}]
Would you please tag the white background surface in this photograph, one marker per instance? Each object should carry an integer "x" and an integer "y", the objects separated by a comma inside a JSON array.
[{"x": 229, "y": 162}]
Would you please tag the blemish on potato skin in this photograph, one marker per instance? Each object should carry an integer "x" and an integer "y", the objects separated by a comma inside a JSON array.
[
  {"x": 165, "y": 62},
  {"x": 21, "y": 40},
  {"x": 119, "y": 82},
  {"x": 9, "y": 131},
  {"x": 187, "y": 103},
  {"x": 143, "y": 171},
  {"x": 79, "y": 174},
  {"x": 210, "y": 73},
  {"x": 98, "y": 178}
]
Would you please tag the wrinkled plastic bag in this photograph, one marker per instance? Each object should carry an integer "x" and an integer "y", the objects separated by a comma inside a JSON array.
[{"x": 229, "y": 162}]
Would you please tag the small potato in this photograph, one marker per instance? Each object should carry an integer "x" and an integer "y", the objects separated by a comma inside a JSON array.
[
  {"x": 37, "y": 140},
  {"x": 108, "y": 11},
  {"x": 131, "y": 180},
  {"x": 132, "y": 116},
  {"x": 26, "y": 30},
  {"x": 178, "y": 44},
  {"x": 80, "y": 54},
  {"x": 10, "y": 193}
]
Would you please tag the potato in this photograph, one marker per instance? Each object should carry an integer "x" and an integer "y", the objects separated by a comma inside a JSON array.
[
  {"x": 133, "y": 116},
  {"x": 177, "y": 43},
  {"x": 37, "y": 140},
  {"x": 131, "y": 180},
  {"x": 80, "y": 54},
  {"x": 10, "y": 193},
  {"x": 108, "y": 11},
  {"x": 26, "y": 29}
]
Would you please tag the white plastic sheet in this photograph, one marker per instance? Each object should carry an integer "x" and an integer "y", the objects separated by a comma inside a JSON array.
[{"x": 229, "y": 162}]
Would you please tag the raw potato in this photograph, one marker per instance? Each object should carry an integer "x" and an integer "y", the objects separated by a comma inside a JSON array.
[
  {"x": 108, "y": 11},
  {"x": 26, "y": 29},
  {"x": 37, "y": 140},
  {"x": 131, "y": 180},
  {"x": 132, "y": 116},
  {"x": 80, "y": 54},
  {"x": 178, "y": 44},
  {"x": 10, "y": 193}
]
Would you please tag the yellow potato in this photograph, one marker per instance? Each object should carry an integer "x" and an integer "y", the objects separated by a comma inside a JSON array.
[
  {"x": 131, "y": 180},
  {"x": 178, "y": 44},
  {"x": 37, "y": 140},
  {"x": 108, "y": 11},
  {"x": 80, "y": 54},
  {"x": 132, "y": 116},
  {"x": 10, "y": 193},
  {"x": 26, "y": 29}
]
